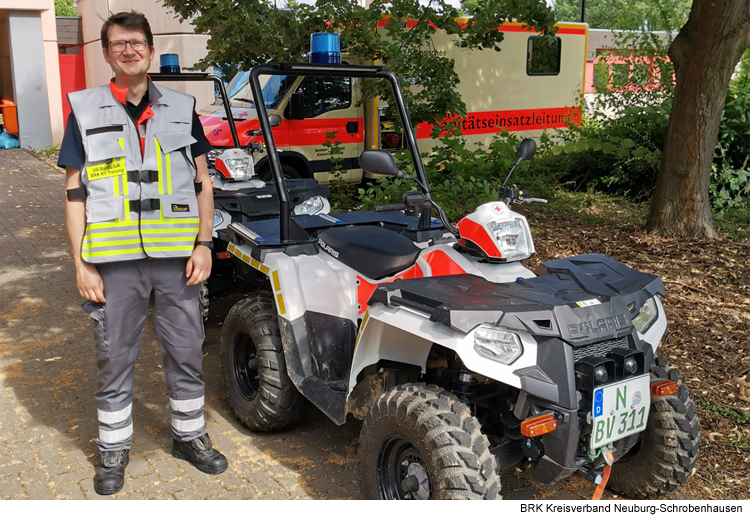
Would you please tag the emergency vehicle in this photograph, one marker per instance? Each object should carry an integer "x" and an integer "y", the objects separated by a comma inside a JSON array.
[{"x": 534, "y": 83}]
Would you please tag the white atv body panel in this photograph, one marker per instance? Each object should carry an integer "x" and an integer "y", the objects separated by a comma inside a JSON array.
[{"x": 403, "y": 335}]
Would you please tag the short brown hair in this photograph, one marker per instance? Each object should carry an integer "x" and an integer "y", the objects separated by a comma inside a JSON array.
[{"x": 131, "y": 20}]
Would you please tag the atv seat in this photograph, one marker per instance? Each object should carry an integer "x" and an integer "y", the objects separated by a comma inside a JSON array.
[{"x": 375, "y": 252}]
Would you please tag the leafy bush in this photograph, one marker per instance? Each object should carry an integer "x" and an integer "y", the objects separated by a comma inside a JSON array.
[{"x": 730, "y": 178}]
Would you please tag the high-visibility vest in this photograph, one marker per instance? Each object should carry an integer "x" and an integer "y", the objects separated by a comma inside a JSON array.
[{"x": 139, "y": 204}]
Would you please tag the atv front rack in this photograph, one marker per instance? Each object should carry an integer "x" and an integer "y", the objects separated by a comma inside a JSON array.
[{"x": 588, "y": 288}]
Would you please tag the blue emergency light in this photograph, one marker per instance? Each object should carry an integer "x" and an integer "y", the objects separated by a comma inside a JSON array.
[
  {"x": 169, "y": 63},
  {"x": 325, "y": 48}
]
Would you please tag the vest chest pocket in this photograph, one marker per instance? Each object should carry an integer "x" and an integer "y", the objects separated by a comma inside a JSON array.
[
  {"x": 175, "y": 147},
  {"x": 105, "y": 160}
]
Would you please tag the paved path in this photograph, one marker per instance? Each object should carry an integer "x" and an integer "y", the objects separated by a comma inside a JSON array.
[{"x": 47, "y": 379}]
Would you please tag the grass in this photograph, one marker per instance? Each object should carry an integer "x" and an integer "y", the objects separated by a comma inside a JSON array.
[
  {"x": 598, "y": 208},
  {"x": 46, "y": 151},
  {"x": 738, "y": 416},
  {"x": 734, "y": 223}
]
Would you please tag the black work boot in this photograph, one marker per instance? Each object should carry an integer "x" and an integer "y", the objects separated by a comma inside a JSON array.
[
  {"x": 200, "y": 453},
  {"x": 110, "y": 475}
]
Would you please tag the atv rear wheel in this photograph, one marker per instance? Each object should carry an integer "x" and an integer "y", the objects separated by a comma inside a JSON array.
[
  {"x": 421, "y": 442},
  {"x": 666, "y": 453},
  {"x": 252, "y": 362}
]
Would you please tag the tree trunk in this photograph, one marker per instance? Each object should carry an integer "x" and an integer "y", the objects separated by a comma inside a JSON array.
[{"x": 704, "y": 55}]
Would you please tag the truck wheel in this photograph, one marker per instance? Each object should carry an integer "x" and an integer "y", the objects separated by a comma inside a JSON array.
[
  {"x": 666, "y": 453},
  {"x": 252, "y": 362},
  {"x": 204, "y": 301},
  {"x": 421, "y": 442}
]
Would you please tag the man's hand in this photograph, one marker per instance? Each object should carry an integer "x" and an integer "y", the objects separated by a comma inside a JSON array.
[
  {"x": 199, "y": 266},
  {"x": 89, "y": 282}
]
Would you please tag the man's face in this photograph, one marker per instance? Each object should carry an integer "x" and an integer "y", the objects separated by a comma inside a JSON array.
[{"x": 127, "y": 62}]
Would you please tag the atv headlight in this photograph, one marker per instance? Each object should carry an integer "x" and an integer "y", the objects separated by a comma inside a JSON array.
[
  {"x": 646, "y": 316},
  {"x": 496, "y": 344},
  {"x": 239, "y": 167},
  {"x": 312, "y": 206},
  {"x": 511, "y": 239}
]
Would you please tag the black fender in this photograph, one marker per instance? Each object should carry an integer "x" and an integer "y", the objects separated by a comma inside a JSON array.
[{"x": 294, "y": 159}]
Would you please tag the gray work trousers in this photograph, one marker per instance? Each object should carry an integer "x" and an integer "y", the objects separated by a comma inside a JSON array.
[{"x": 118, "y": 326}]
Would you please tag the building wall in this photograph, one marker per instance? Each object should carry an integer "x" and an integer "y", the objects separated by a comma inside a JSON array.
[
  {"x": 170, "y": 36},
  {"x": 46, "y": 10}
]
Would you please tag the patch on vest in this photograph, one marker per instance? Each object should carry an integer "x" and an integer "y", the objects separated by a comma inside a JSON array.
[
  {"x": 180, "y": 208},
  {"x": 116, "y": 167}
]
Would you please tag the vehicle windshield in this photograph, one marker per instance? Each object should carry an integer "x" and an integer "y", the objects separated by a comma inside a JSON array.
[{"x": 274, "y": 88}]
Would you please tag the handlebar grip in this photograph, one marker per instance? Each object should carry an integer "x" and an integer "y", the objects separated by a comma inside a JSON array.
[
  {"x": 381, "y": 208},
  {"x": 537, "y": 200}
]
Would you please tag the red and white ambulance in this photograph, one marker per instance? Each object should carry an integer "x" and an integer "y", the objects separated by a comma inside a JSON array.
[{"x": 535, "y": 83}]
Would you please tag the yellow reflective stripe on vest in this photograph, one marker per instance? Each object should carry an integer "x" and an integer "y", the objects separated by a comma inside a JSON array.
[
  {"x": 158, "y": 164},
  {"x": 172, "y": 230},
  {"x": 112, "y": 243},
  {"x": 172, "y": 221},
  {"x": 169, "y": 173},
  {"x": 113, "y": 234},
  {"x": 168, "y": 239}
]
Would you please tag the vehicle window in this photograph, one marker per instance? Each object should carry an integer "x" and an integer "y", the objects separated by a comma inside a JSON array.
[
  {"x": 324, "y": 94},
  {"x": 274, "y": 87},
  {"x": 543, "y": 55}
]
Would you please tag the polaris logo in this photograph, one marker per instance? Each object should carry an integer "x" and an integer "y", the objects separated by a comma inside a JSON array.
[
  {"x": 585, "y": 328},
  {"x": 328, "y": 249}
]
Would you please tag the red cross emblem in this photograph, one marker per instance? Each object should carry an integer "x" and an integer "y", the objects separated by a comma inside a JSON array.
[{"x": 497, "y": 209}]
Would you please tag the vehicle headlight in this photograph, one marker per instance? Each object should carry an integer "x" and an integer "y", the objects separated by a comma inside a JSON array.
[
  {"x": 511, "y": 238},
  {"x": 239, "y": 167},
  {"x": 646, "y": 316},
  {"x": 497, "y": 345},
  {"x": 312, "y": 206},
  {"x": 218, "y": 218}
]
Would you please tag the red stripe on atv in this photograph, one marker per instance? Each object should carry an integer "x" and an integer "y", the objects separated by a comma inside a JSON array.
[
  {"x": 440, "y": 264},
  {"x": 470, "y": 230},
  {"x": 365, "y": 288}
]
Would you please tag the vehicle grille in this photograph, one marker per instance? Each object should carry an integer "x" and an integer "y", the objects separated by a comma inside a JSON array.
[{"x": 599, "y": 349}]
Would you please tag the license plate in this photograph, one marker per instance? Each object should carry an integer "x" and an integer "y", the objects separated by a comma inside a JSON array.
[{"x": 620, "y": 410}]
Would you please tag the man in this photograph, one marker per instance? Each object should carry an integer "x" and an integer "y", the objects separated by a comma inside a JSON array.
[{"x": 139, "y": 215}]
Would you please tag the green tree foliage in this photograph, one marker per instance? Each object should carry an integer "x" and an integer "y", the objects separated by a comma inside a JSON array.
[
  {"x": 653, "y": 15},
  {"x": 65, "y": 8},
  {"x": 244, "y": 33}
]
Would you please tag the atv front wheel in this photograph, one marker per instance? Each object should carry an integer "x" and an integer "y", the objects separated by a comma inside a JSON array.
[
  {"x": 253, "y": 366},
  {"x": 204, "y": 301},
  {"x": 421, "y": 442},
  {"x": 665, "y": 455}
]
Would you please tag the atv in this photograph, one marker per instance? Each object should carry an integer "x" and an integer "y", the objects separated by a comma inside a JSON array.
[{"x": 462, "y": 363}]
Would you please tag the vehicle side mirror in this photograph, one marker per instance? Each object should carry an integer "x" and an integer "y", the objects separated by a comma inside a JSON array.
[
  {"x": 378, "y": 162},
  {"x": 526, "y": 150},
  {"x": 274, "y": 120},
  {"x": 296, "y": 107}
]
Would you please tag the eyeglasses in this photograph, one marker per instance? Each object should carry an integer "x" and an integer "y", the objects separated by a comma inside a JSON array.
[{"x": 118, "y": 46}]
